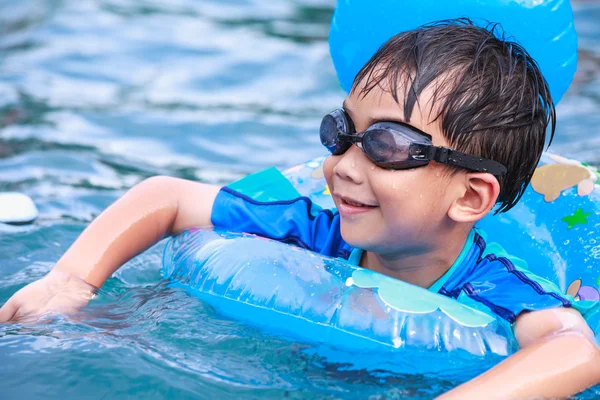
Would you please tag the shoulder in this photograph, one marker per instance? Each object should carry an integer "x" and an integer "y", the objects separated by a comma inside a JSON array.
[
  {"x": 501, "y": 283},
  {"x": 293, "y": 220},
  {"x": 298, "y": 209},
  {"x": 228, "y": 196}
]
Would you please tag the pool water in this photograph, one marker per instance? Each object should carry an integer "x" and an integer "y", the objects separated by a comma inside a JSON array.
[{"x": 96, "y": 95}]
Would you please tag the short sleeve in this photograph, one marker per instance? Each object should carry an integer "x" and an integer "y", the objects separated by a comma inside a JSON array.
[
  {"x": 508, "y": 290},
  {"x": 289, "y": 221}
]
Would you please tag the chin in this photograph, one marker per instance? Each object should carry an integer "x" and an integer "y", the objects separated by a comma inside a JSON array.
[
  {"x": 350, "y": 235},
  {"x": 357, "y": 237}
]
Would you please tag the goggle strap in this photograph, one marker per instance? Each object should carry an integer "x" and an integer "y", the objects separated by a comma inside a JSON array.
[{"x": 447, "y": 156}]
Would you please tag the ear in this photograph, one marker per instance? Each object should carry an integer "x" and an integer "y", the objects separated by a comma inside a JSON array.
[{"x": 478, "y": 197}]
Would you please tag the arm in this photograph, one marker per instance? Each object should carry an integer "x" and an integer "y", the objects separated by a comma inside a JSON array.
[
  {"x": 147, "y": 213},
  {"x": 151, "y": 210},
  {"x": 558, "y": 358}
]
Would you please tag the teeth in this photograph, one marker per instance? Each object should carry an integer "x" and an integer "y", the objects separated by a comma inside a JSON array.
[{"x": 352, "y": 203}]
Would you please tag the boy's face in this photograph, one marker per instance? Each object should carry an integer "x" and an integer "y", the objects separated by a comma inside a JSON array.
[{"x": 407, "y": 208}]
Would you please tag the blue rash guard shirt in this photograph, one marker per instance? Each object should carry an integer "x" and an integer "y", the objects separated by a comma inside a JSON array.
[{"x": 479, "y": 278}]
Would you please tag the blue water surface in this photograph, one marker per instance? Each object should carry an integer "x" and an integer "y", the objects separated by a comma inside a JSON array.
[{"x": 96, "y": 95}]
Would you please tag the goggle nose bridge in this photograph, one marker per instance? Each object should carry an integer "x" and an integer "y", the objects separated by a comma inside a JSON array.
[{"x": 354, "y": 139}]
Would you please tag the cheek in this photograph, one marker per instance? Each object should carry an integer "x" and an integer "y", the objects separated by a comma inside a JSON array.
[
  {"x": 394, "y": 187},
  {"x": 408, "y": 197},
  {"x": 394, "y": 191}
]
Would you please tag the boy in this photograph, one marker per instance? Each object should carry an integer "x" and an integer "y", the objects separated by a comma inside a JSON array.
[{"x": 407, "y": 204}]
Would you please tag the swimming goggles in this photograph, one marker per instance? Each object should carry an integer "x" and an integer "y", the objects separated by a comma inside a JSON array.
[{"x": 396, "y": 145}]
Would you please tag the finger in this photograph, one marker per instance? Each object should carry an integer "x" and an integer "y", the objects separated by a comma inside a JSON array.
[{"x": 8, "y": 310}]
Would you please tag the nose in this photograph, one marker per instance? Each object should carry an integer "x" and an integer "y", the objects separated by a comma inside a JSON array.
[{"x": 351, "y": 165}]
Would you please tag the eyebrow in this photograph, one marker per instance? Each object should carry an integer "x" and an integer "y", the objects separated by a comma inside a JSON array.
[{"x": 371, "y": 120}]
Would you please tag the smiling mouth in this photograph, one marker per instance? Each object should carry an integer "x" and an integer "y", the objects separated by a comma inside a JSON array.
[{"x": 355, "y": 203}]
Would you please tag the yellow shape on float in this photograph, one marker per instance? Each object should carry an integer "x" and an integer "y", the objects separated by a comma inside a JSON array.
[{"x": 551, "y": 179}]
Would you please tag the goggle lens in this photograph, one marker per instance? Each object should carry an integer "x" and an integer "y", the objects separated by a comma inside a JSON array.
[
  {"x": 383, "y": 146},
  {"x": 332, "y": 125}
]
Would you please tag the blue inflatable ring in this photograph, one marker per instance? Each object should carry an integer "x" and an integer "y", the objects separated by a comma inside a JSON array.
[{"x": 299, "y": 293}]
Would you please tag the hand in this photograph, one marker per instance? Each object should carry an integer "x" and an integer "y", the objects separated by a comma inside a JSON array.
[{"x": 55, "y": 292}]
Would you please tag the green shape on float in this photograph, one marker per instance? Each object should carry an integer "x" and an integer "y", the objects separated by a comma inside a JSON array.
[
  {"x": 579, "y": 218},
  {"x": 405, "y": 297}
]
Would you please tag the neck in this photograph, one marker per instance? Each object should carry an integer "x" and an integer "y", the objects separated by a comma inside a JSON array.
[{"x": 422, "y": 268}]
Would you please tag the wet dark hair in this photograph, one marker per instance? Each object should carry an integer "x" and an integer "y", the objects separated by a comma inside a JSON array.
[{"x": 489, "y": 95}]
